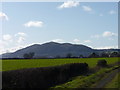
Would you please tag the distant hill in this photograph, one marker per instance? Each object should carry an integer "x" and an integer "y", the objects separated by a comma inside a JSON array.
[{"x": 53, "y": 49}]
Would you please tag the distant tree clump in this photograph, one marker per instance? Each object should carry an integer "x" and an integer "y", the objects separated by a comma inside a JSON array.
[
  {"x": 118, "y": 54},
  {"x": 93, "y": 55},
  {"x": 69, "y": 55},
  {"x": 114, "y": 54},
  {"x": 81, "y": 56},
  {"x": 103, "y": 54},
  {"x": 102, "y": 63},
  {"x": 58, "y": 56},
  {"x": 28, "y": 55}
]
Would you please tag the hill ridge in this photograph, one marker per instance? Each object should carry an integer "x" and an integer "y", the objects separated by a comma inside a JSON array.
[{"x": 53, "y": 49}]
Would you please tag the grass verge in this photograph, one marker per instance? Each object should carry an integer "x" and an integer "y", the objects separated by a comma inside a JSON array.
[
  {"x": 115, "y": 83},
  {"x": 86, "y": 81}
]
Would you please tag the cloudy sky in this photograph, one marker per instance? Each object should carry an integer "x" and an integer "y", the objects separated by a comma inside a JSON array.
[{"x": 93, "y": 24}]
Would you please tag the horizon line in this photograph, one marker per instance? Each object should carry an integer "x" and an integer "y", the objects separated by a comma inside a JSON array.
[{"x": 99, "y": 48}]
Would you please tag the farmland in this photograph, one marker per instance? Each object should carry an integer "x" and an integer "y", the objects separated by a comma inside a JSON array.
[
  {"x": 58, "y": 76},
  {"x": 33, "y": 63}
]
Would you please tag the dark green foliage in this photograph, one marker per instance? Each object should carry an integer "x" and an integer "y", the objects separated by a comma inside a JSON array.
[
  {"x": 102, "y": 63},
  {"x": 81, "y": 56},
  {"x": 104, "y": 54},
  {"x": 93, "y": 55},
  {"x": 44, "y": 77},
  {"x": 114, "y": 54},
  {"x": 69, "y": 55},
  {"x": 28, "y": 55},
  {"x": 58, "y": 56}
]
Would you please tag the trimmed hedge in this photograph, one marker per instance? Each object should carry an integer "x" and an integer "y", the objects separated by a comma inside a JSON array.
[{"x": 43, "y": 77}]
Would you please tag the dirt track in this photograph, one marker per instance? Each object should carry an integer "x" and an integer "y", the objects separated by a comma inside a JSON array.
[{"x": 109, "y": 76}]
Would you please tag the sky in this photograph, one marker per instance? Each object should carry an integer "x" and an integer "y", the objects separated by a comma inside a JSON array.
[{"x": 94, "y": 24}]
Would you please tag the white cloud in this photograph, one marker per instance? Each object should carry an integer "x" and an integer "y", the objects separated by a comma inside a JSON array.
[
  {"x": 7, "y": 37},
  {"x": 16, "y": 41},
  {"x": 69, "y": 4},
  {"x": 3, "y": 43},
  {"x": 20, "y": 39},
  {"x": 21, "y": 34},
  {"x": 76, "y": 41},
  {"x": 87, "y": 8},
  {"x": 112, "y": 12},
  {"x": 107, "y": 47},
  {"x": 3, "y": 16},
  {"x": 34, "y": 24},
  {"x": 105, "y": 34},
  {"x": 12, "y": 49},
  {"x": 108, "y": 34},
  {"x": 57, "y": 40},
  {"x": 87, "y": 41}
]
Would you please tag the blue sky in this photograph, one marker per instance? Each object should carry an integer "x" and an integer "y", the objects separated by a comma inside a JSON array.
[{"x": 94, "y": 24}]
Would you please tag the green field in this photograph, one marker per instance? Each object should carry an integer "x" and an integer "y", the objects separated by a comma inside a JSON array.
[{"x": 32, "y": 63}]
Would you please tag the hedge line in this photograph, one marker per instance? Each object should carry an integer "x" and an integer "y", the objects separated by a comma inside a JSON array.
[{"x": 43, "y": 77}]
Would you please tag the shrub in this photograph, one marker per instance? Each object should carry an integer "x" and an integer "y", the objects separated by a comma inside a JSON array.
[{"x": 102, "y": 63}]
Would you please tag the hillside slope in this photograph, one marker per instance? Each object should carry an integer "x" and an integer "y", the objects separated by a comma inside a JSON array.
[{"x": 53, "y": 49}]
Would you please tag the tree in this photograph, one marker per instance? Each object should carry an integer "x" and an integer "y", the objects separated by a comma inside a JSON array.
[
  {"x": 103, "y": 54},
  {"x": 94, "y": 55},
  {"x": 31, "y": 54},
  {"x": 58, "y": 56},
  {"x": 114, "y": 54},
  {"x": 69, "y": 55},
  {"x": 118, "y": 54},
  {"x": 81, "y": 56},
  {"x": 28, "y": 55}
]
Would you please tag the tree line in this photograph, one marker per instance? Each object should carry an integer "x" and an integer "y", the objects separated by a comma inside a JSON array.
[{"x": 31, "y": 55}]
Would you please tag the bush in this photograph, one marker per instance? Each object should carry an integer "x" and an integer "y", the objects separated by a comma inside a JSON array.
[
  {"x": 102, "y": 63},
  {"x": 43, "y": 77}
]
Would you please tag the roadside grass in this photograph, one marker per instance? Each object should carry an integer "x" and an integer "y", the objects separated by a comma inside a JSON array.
[
  {"x": 115, "y": 83},
  {"x": 33, "y": 63},
  {"x": 0, "y": 65},
  {"x": 86, "y": 81}
]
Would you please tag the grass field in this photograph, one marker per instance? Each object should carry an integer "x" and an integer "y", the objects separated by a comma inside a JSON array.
[{"x": 20, "y": 64}]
